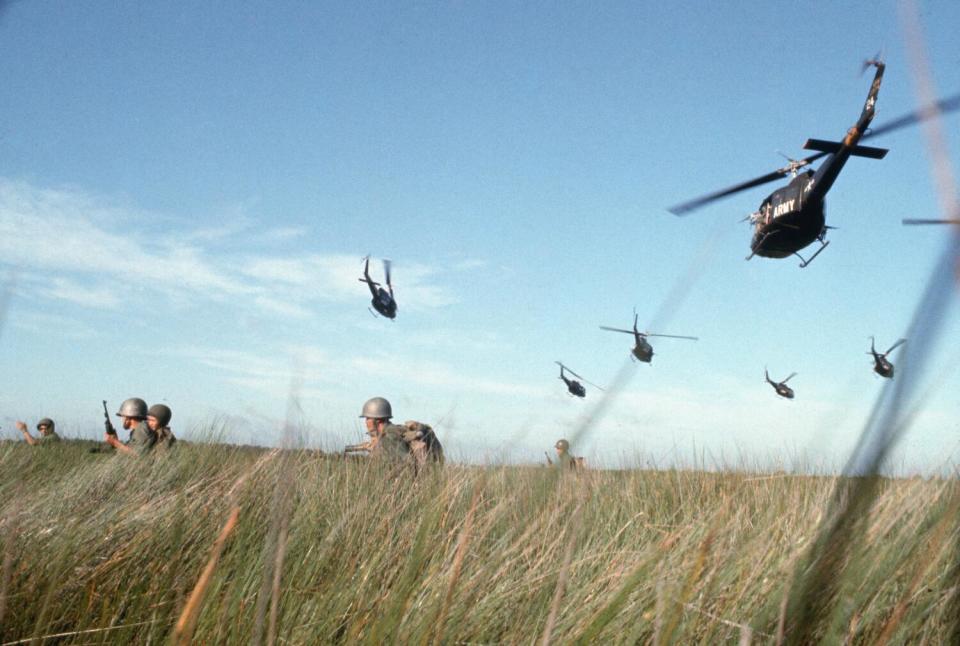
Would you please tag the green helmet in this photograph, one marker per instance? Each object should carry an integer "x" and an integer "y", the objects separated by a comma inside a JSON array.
[
  {"x": 563, "y": 445},
  {"x": 133, "y": 407},
  {"x": 46, "y": 421},
  {"x": 377, "y": 408},
  {"x": 162, "y": 412}
]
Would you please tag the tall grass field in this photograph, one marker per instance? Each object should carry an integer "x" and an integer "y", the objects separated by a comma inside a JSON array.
[{"x": 216, "y": 544}]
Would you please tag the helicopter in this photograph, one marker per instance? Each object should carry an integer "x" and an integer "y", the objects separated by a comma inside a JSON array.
[
  {"x": 574, "y": 386},
  {"x": 793, "y": 216},
  {"x": 383, "y": 300},
  {"x": 781, "y": 387},
  {"x": 642, "y": 350},
  {"x": 881, "y": 365}
]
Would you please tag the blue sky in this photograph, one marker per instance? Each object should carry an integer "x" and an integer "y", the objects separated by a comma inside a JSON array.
[{"x": 187, "y": 190}]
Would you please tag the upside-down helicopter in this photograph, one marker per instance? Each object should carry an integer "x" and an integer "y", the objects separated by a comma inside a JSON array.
[
  {"x": 793, "y": 217},
  {"x": 642, "y": 349},
  {"x": 881, "y": 365},
  {"x": 383, "y": 300},
  {"x": 574, "y": 386},
  {"x": 781, "y": 386}
]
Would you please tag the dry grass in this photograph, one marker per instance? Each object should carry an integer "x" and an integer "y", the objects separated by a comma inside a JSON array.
[{"x": 108, "y": 549}]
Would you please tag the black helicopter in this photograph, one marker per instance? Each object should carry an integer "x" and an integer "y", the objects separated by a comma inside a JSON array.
[
  {"x": 793, "y": 216},
  {"x": 781, "y": 387},
  {"x": 574, "y": 386},
  {"x": 642, "y": 350},
  {"x": 881, "y": 365},
  {"x": 383, "y": 300}
]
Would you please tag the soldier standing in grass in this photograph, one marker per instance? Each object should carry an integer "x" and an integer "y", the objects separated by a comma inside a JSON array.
[
  {"x": 386, "y": 439},
  {"x": 158, "y": 419},
  {"x": 565, "y": 460},
  {"x": 133, "y": 413},
  {"x": 46, "y": 428}
]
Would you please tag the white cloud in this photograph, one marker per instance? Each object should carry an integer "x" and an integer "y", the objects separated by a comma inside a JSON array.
[
  {"x": 87, "y": 251},
  {"x": 69, "y": 290}
]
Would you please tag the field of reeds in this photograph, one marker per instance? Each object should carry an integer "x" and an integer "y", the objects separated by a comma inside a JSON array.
[{"x": 220, "y": 544}]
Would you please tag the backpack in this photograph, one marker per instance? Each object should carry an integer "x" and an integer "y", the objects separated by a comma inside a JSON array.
[{"x": 423, "y": 443}]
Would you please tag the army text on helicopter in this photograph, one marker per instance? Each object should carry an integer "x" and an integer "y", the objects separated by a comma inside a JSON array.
[
  {"x": 383, "y": 300},
  {"x": 793, "y": 216},
  {"x": 642, "y": 349},
  {"x": 781, "y": 387},
  {"x": 881, "y": 365},
  {"x": 573, "y": 386}
]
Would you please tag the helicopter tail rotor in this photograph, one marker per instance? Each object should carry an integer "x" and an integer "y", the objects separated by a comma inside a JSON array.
[{"x": 876, "y": 61}]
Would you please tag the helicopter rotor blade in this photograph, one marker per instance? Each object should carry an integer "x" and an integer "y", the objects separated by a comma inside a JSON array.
[
  {"x": 672, "y": 336},
  {"x": 792, "y": 375},
  {"x": 578, "y": 376},
  {"x": 615, "y": 329},
  {"x": 894, "y": 347},
  {"x": 940, "y": 107},
  {"x": 594, "y": 385},
  {"x": 687, "y": 207},
  {"x": 386, "y": 270},
  {"x": 930, "y": 221}
]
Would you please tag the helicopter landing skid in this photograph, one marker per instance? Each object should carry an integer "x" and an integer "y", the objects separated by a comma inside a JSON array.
[{"x": 804, "y": 263}]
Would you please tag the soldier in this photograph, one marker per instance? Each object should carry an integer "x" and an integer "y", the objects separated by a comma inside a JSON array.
[
  {"x": 133, "y": 413},
  {"x": 47, "y": 433},
  {"x": 564, "y": 459},
  {"x": 386, "y": 439},
  {"x": 158, "y": 419}
]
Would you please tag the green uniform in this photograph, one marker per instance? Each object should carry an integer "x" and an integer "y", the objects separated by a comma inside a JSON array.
[
  {"x": 391, "y": 444},
  {"x": 50, "y": 438},
  {"x": 566, "y": 462},
  {"x": 165, "y": 439},
  {"x": 142, "y": 439}
]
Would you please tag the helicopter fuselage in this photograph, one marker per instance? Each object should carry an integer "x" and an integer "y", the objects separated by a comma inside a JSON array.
[
  {"x": 882, "y": 367},
  {"x": 788, "y": 219},
  {"x": 575, "y": 387},
  {"x": 383, "y": 302},
  {"x": 784, "y": 391},
  {"x": 643, "y": 351}
]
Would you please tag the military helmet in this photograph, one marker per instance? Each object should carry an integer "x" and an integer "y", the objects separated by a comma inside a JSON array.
[
  {"x": 133, "y": 407},
  {"x": 46, "y": 421},
  {"x": 563, "y": 445},
  {"x": 377, "y": 408},
  {"x": 162, "y": 412}
]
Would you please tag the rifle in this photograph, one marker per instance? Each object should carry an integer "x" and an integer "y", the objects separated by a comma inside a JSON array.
[
  {"x": 106, "y": 420},
  {"x": 549, "y": 461},
  {"x": 356, "y": 448}
]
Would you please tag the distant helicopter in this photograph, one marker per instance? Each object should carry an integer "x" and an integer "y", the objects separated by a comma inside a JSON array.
[
  {"x": 642, "y": 350},
  {"x": 781, "y": 387},
  {"x": 793, "y": 216},
  {"x": 881, "y": 365},
  {"x": 383, "y": 300},
  {"x": 574, "y": 386}
]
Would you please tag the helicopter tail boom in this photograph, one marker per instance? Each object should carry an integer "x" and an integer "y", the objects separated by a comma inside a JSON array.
[{"x": 834, "y": 146}]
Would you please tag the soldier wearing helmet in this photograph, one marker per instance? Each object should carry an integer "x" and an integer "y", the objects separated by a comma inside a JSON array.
[
  {"x": 158, "y": 419},
  {"x": 386, "y": 439},
  {"x": 133, "y": 413},
  {"x": 564, "y": 459},
  {"x": 47, "y": 433}
]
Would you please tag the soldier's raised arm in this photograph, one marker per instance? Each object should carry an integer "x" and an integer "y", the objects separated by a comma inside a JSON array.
[{"x": 26, "y": 434}]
